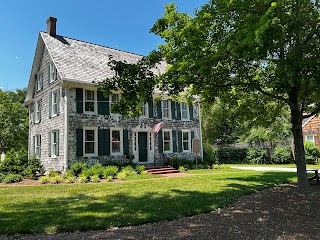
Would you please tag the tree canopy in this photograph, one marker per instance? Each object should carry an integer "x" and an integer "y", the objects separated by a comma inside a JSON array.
[{"x": 262, "y": 50}]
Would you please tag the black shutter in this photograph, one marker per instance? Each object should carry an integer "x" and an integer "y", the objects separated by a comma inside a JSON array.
[
  {"x": 107, "y": 141},
  {"x": 174, "y": 141},
  {"x": 102, "y": 142},
  {"x": 191, "y": 111},
  {"x": 192, "y": 137},
  {"x": 173, "y": 110},
  {"x": 79, "y": 140},
  {"x": 160, "y": 143},
  {"x": 79, "y": 99},
  {"x": 57, "y": 145},
  {"x": 178, "y": 110},
  {"x": 103, "y": 104},
  {"x": 180, "y": 149},
  {"x": 125, "y": 142},
  {"x": 150, "y": 106},
  {"x": 159, "y": 110}
]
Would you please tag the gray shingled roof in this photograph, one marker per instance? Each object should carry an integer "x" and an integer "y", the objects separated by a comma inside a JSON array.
[{"x": 85, "y": 62}]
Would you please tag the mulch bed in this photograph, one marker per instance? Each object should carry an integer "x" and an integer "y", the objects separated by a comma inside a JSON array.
[{"x": 279, "y": 213}]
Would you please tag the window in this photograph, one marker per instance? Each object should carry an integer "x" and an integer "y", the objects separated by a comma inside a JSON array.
[
  {"x": 166, "y": 109},
  {"x": 37, "y": 145},
  {"x": 39, "y": 81},
  {"x": 186, "y": 143},
  {"x": 167, "y": 141},
  {"x": 89, "y": 101},
  {"x": 184, "y": 111},
  {"x": 144, "y": 110},
  {"x": 90, "y": 141},
  {"x": 114, "y": 97},
  {"x": 37, "y": 112},
  {"x": 54, "y": 107},
  {"x": 310, "y": 138},
  {"x": 116, "y": 141},
  {"x": 54, "y": 146},
  {"x": 52, "y": 72}
]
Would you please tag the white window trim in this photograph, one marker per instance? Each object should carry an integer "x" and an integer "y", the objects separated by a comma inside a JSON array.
[
  {"x": 121, "y": 142},
  {"x": 147, "y": 111},
  {"x": 110, "y": 102},
  {"x": 189, "y": 140},
  {"x": 306, "y": 137},
  {"x": 53, "y": 145},
  {"x": 169, "y": 109},
  {"x": 37, "y": 112},
  {"x": 39, "y": 76},
  {"x": 188, "y": 112},
  {"x": 53, "y": 72},
  {"x": 171, "y": 141},
  {"x": 37, "y": 148},
  {"x": 95, "y": 154},
  {"x": 54, "y": 110},
  {"x": 95, "y": 101}
]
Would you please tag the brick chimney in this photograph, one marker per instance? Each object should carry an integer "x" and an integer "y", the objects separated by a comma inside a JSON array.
[{"x": 51, "y": 26}]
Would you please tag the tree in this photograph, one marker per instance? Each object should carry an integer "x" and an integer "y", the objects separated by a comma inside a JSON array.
[
  {"x": 14, "y": 120},
  {"x": 264, "y": 48}
]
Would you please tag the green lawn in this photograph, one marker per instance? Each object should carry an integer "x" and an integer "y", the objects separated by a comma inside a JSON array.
[
  {"x": 292, "y": 165},
  {"x": 60, "y": 208}
]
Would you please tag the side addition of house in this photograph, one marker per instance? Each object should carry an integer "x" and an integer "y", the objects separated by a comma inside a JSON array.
[{"x": 70, "y": 120}]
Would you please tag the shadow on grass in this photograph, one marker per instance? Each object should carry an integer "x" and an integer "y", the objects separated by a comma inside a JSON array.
[{"x": 85, "y": 212}]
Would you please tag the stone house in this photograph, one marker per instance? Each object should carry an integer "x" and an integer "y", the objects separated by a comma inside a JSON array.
[
  {"x": 70, "y": 120},
  {"x": 311, "y": 130}
]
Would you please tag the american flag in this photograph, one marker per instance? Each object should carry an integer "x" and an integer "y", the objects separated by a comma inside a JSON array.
[{"x": 157, "y": 127}]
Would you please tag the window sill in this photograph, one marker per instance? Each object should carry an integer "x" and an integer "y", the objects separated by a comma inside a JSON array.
[
  {"x": 90, "y": 113},
  {"x": 116, "y": 154},
  {"x": 167, "y": 152},
  {"x": 90, "y": 155}
]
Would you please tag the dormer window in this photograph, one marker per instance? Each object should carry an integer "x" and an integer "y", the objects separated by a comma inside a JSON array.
[
  {"x": 184, "y": 111},
  {"x": 166, "y": 109},
  {"x": 144, "y": 110},
  {"x": 52, "y": 72},
  {"x": 114, "y": 97}
]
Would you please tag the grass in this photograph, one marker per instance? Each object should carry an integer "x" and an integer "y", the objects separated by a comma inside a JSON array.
[
  {"x": 68, "y": 208},
  {"x": 292, "y": 165}
]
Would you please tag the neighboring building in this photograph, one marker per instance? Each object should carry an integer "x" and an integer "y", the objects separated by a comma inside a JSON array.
[
  {"x": 71, "y": 121},
  {"x": 311, "y": 130}
]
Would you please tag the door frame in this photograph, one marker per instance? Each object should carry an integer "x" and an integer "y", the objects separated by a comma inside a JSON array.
[{"x": 150, "y": 144}]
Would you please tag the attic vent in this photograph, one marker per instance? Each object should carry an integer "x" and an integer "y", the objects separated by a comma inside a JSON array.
[{"x": 51, "y": 26}]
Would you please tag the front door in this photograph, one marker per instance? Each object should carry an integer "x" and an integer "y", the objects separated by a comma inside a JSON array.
[{"x": 143, "y": 147}]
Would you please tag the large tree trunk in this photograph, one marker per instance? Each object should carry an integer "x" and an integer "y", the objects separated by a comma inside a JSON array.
[{"x": 296, "y": 121}]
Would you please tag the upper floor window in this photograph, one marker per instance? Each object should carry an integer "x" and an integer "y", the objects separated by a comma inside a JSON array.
[
  {"x": 39, "y": 81},
  {"x": 167, "y": 141},
  {"x": 184, "y": 111},
  {"x": 54, "y": 103},
  {"x": 186, "y": 141},
  {"x": 37, "y": 145},
  {"x": 166, "y": 109},
  {"x": 37, "y": 112},
  {"x": 90, "y": 142},
  {"x": 52, "y": 72},
  {"x": 310, "y": 138},
  {"x": 144, "y": 109},
  {"x": 114, "y": 97},
  {"x": 89, "y": 101},
  {"x": 54, "y": 143},
  {"x": 116, "y": 141}
]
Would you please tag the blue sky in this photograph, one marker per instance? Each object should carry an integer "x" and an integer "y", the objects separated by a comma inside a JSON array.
[{"x": 122, "y": 24}]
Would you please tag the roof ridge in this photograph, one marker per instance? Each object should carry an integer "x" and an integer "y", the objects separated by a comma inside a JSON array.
[{"x": 98, "y": 45}]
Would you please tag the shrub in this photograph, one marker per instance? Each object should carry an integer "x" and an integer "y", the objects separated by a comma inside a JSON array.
[
  {"x": 110, "y": 171},
  {"x": 257, "y": 156},
  {"x": 67, "y": 175},
  {"x": 140, "y": 168},
  {"x": 83, "y": 179},
  {"x": 96, "y": 169},
  {"x": 145, "y": 172},
  {"x": 177, "y": 162},
  {"x": 228, "y": 155},
  {"x": 210, "y": 154},
  {"x": 55, "y": 179},
  {"x": 77, "y": 168},
  {"x": 34, "y": 169},
  {"x": 95, "y": 178},
  {"x": 128, "y": 170},
  {"x": 12, "y": 178},
  {"x": 312, "y": 153},
  {"x": 70, "y": 179},
  {"x": 122, "y": 175},
  {"x": 15, "y": 162},
  {"x": 281, "y": 155},
  {"x": 120, "y": 163},
  {"x": 109, "y": 179},
  {"x": 182, "y": 169},
  {"x": 2, "y": 177},
  {"x": 52, "y": 173},
  {"x": 44, "y": 179}
]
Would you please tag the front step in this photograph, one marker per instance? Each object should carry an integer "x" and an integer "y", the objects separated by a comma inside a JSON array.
[{"x": 161, "y": 170}]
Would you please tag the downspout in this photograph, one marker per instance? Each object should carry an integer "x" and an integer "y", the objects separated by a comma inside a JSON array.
[
  {"x": 66, "y": 128},
  {"x": 201, "y": 144}
]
